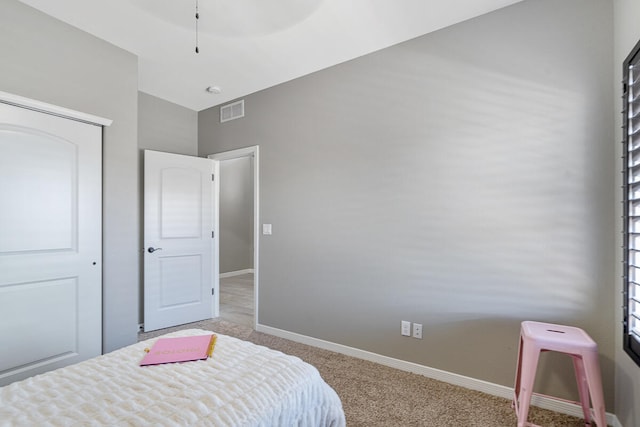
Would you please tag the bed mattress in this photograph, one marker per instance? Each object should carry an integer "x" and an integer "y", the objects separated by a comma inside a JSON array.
[{"x": 243, "y": 384}]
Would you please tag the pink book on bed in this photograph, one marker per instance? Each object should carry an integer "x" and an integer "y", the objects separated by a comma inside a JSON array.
[{"x": 179, "y": 349}]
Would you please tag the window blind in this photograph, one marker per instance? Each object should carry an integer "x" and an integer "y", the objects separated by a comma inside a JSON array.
[{"x": 631, "y": 170}]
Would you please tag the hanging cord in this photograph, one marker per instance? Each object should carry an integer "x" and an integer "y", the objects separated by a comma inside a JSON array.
[{"x": 197, "y": 18}]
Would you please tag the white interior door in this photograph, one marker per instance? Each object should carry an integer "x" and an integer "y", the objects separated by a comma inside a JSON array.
[
  {"x": 50, "y": 242},
  {"x": 180, "y": 219}
]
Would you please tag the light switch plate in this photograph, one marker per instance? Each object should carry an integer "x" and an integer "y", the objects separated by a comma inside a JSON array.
[
  {"x": 266, "y": 229},
  {"x": 405, "y": 328}
]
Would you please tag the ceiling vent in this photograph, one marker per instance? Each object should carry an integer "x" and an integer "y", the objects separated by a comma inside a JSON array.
[{"x": 232, "y": 111}]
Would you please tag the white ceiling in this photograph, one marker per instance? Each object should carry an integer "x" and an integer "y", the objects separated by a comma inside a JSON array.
[{"x": 249, "y": 45}]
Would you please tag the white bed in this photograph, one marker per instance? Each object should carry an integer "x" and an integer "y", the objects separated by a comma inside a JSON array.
[{"x": 243, "y": 384}]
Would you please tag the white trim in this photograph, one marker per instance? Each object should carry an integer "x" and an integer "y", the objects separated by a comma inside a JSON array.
[
  {"x": 32, "y": 104},
  {"x": 215, "y": 309},
  {"x": 253, "y": 151},
  {"x": 613, "y": 420},
  {"x": 235, "y": 154},
  {"x": 236, "y": 273},
  {"x": 545, "y": 402}
]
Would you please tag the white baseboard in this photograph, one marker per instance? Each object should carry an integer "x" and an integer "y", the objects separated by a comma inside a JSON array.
[
  {"x": 545, "y": 402},
  {"x": 236, "y": 273}
]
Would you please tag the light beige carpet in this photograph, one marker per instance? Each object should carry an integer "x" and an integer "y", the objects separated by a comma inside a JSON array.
[{"x": 376, "y": 395}]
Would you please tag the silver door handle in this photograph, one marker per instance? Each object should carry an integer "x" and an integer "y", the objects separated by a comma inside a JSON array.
[{"x": 152, "y": 250}]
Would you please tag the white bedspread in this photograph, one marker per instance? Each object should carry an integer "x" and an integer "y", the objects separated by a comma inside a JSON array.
[{"x": 243, "y": 384}]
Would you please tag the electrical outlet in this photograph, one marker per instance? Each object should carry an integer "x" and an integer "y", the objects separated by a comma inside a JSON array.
[
  {"x": 417, "y": 330},
  {"x": 405, "y": 328}
]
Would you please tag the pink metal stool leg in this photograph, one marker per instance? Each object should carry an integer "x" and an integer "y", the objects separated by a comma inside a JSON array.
[
  {"x": 583, "y": 387},
  {"x": 594, "y": 379},
  {"x": 516, "y": 388},
  {"x": 528, "y": 366}
]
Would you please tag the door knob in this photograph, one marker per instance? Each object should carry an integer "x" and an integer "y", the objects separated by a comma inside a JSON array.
[{"x": 152, "y": 250}]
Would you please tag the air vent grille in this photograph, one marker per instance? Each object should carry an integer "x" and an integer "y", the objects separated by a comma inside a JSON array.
[{"x": 232, "y": 111}]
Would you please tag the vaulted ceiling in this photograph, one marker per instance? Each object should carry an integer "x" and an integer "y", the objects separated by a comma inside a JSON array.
[{"x": 249, "y": 45}]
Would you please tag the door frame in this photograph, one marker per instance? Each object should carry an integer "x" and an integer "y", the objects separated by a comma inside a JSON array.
[
  {"x": 54, "y": 110},
  {"x": 252, "y": 151}
]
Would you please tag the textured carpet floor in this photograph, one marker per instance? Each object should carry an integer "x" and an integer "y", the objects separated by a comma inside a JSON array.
[{"x": 376, "y": 395}]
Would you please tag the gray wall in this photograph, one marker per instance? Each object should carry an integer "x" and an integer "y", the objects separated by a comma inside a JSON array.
[
  {"x": 627, "y": 34},
  {"x": 50, "y": 61},
  {"x": 462, "y": 180},
  {"x": 162, "y": 126},
  {"x": 236, "y": 214},
  {"x": 165, "y": 126}
]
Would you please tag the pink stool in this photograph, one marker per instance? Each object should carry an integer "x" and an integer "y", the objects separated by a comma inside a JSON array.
[{"x": 536, "y": 337}]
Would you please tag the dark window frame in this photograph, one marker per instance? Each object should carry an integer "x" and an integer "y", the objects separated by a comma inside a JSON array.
[{"x": 631, "y": 202}]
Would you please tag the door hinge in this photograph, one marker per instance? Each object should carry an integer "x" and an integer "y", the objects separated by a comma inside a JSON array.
[
  {"x": 213, "y": 234},
  {"x": 213, "y": 291},
  {"x": 213, "y": 177}
]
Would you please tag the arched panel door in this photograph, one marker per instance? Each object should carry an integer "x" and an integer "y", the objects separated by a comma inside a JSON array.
[
  {"x": 50, "y": 242},
  {"x": 181, "y": 248}
]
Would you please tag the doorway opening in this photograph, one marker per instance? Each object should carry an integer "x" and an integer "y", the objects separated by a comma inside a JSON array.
[{"x": 238, "y": 231}]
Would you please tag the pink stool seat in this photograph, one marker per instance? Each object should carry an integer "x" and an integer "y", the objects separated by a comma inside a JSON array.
[{"x": 536, "y": 337}]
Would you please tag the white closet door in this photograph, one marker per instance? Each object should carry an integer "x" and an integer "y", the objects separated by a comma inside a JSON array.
[{"x": 50, "y": 242}]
